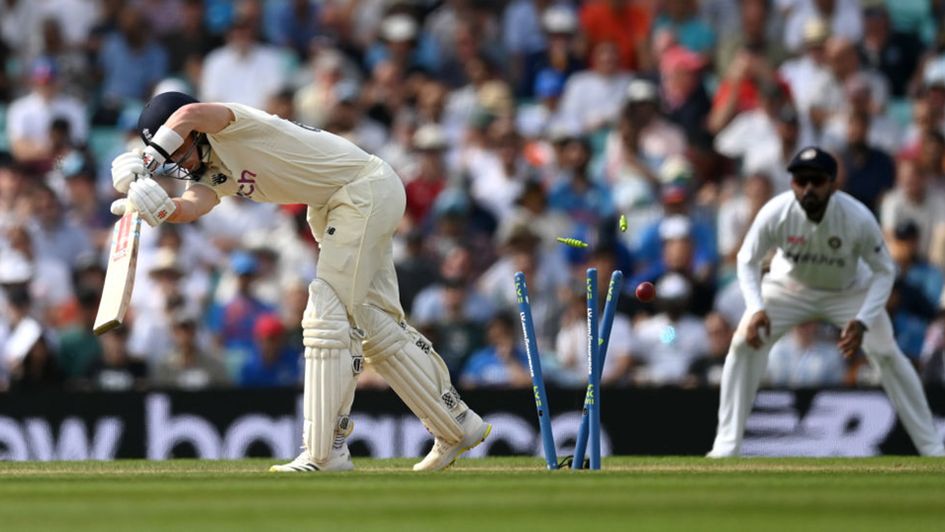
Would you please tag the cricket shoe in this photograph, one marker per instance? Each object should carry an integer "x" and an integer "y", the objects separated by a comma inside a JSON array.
[
  {"x": 444, "y": 454},
  {"x": 338, "y": 461}
]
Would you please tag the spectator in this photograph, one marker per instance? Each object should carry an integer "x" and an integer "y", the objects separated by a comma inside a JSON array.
[
  {"x": 843, "y": 17},
  {"x": 232, "y": 320},
  {"x": 297, "y": 23},
  {"x": 49, "y": 279},
  {"x": 54, "y": 235},
  {"x": 244, "y": 70},
  {"x": 347, "y": 118},
  {"x": 869, "y": 171},
  {"x": 70, "y": 60},
  {"x": 805, "y": 359},
  {"x": 923, "y": 281},
  {"x": 645, "y": 138},
  {"x": 681, "y": 19},
  {"x": 706, "y": 370},
  {"x": 192, "y": 40},
  {"x": 187, "y": 366},
  {"x": 763, "y": 137},
  {"x": 532, "y": 208},
  {"x": 502, "y": 363},
  {"x": 592, "y": 97},
  {"x": 547, "y": 276},
  {"x": 754, "y": 32},
  {"x": 30, "y": 117},
  {"x": 571, "y": 342},
  {"x": 624, "y": 22},
  {"x": 578, "y": 194},
  {"x": 536, "y": 118},
  {"x": 498, "y": 178},
  {"x": 913, "y": 199},
  {"x": 429, "y": 143},
  {"x": 522, "y": 31},
  {"x": 560, "y": 56},
  {"x": 749, "y": 84},
  {"x": 131, "y": 62},
  {"x": 807, "y": 74},
  {"x": 455, "y": 315},
  {"x": 673, "y": 338},
  {"x": 895, "y": 54},
  {"x": 272, "y": 363},
  {"x": 79, "y": 348},
  {"x": 14, "y": 187},
  {"x": 29, "y": 356},
  {"x": 452, "y": 293},
  {"x": 117, "y": 370},
  {"x": 684, "y": 97},
  {"x": 736, "y": 213},
  {"x": 882, "y": 131},
  {"x": 402, "y": 42},
  {"x": 316, "y": 97}
]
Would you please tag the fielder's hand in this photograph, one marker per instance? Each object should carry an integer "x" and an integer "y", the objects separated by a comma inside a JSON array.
[
  {"x": 851, "y": 338},
  {"x": 759, "y": 320},
  {"x": 126, "y": 168},
  {"x": 150, "y": 200}
]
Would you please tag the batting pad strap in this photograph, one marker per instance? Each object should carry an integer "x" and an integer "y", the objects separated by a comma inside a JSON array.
[
  {"x": 326, "y": 333},
  {"x": 407, "y": 361}
]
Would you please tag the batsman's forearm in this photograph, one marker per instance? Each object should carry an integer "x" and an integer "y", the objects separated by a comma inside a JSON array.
[{"x": 186, "y": 212}]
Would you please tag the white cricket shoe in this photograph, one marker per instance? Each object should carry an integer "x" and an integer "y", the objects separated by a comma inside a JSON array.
[
  {"x": 340, "y": 460},
  {"x": 444, "y": 454},
  {"x": 720, "y": 454}
]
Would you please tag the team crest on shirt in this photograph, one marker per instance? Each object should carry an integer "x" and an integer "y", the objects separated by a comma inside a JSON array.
[{"x": 834, "y": 242}]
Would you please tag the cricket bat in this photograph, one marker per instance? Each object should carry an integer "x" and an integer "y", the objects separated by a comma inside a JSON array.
[{"x": 119, "y": 273}]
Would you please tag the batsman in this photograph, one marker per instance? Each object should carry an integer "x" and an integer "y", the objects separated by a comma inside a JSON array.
[{"x": 355, "y": 201}]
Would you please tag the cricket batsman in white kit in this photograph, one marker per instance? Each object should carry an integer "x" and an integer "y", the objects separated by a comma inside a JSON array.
[
  {"x": 355, "y": 202},
  {"x": 831, "y": 264}
]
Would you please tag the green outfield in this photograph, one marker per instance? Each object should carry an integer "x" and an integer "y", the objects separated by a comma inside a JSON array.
[{"x": 672, "y": 493}]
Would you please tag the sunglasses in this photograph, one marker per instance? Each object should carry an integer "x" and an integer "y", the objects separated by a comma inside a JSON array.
[{"x": 818, "y": 180}]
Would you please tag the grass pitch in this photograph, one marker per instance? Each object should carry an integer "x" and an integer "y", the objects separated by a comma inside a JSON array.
[{"x": 672, "y": 493}]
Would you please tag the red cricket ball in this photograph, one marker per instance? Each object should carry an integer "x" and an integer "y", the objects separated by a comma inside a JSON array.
[{"x": 646, "y": 291}]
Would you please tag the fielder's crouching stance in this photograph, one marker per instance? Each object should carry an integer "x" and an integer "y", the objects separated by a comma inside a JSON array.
[
  {"x": 831, "y": 264},
  {"x": 355, "y": 202}
]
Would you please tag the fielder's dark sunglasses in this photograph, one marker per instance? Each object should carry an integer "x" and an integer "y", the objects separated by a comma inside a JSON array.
[{"x": 818, "y": 180}]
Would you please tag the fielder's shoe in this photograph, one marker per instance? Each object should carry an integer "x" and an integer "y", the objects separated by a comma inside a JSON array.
[{"x": 444, "y": 454}]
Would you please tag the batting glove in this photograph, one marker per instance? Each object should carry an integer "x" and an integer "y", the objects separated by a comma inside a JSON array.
[
  {"x": 151, "y": 201},
  {"x": 126, "y": 168}
]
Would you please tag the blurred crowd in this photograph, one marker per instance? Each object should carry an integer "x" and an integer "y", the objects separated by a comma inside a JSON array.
[{"x": 511, "y": 122}]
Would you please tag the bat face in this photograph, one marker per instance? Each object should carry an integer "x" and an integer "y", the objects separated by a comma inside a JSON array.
[{"x": 120, "y": 273}]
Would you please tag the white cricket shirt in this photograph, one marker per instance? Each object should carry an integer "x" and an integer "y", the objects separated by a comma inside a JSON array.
[
  {"x": 844, "y": 251},
  {"x": 268, "y": 159}
]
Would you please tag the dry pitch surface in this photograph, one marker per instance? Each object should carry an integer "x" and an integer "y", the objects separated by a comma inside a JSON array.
[{"x": 669, "y": 493}]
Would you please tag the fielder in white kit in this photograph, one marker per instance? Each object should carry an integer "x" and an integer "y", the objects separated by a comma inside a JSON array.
[
  {"x": 831, "y": 264},
  {"x": 355, "y": 202}
]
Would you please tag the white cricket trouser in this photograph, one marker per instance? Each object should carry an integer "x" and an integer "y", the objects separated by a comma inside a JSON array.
[
  {"x": 354, "y": 232},
  {"x": 787, "y": 304}
]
